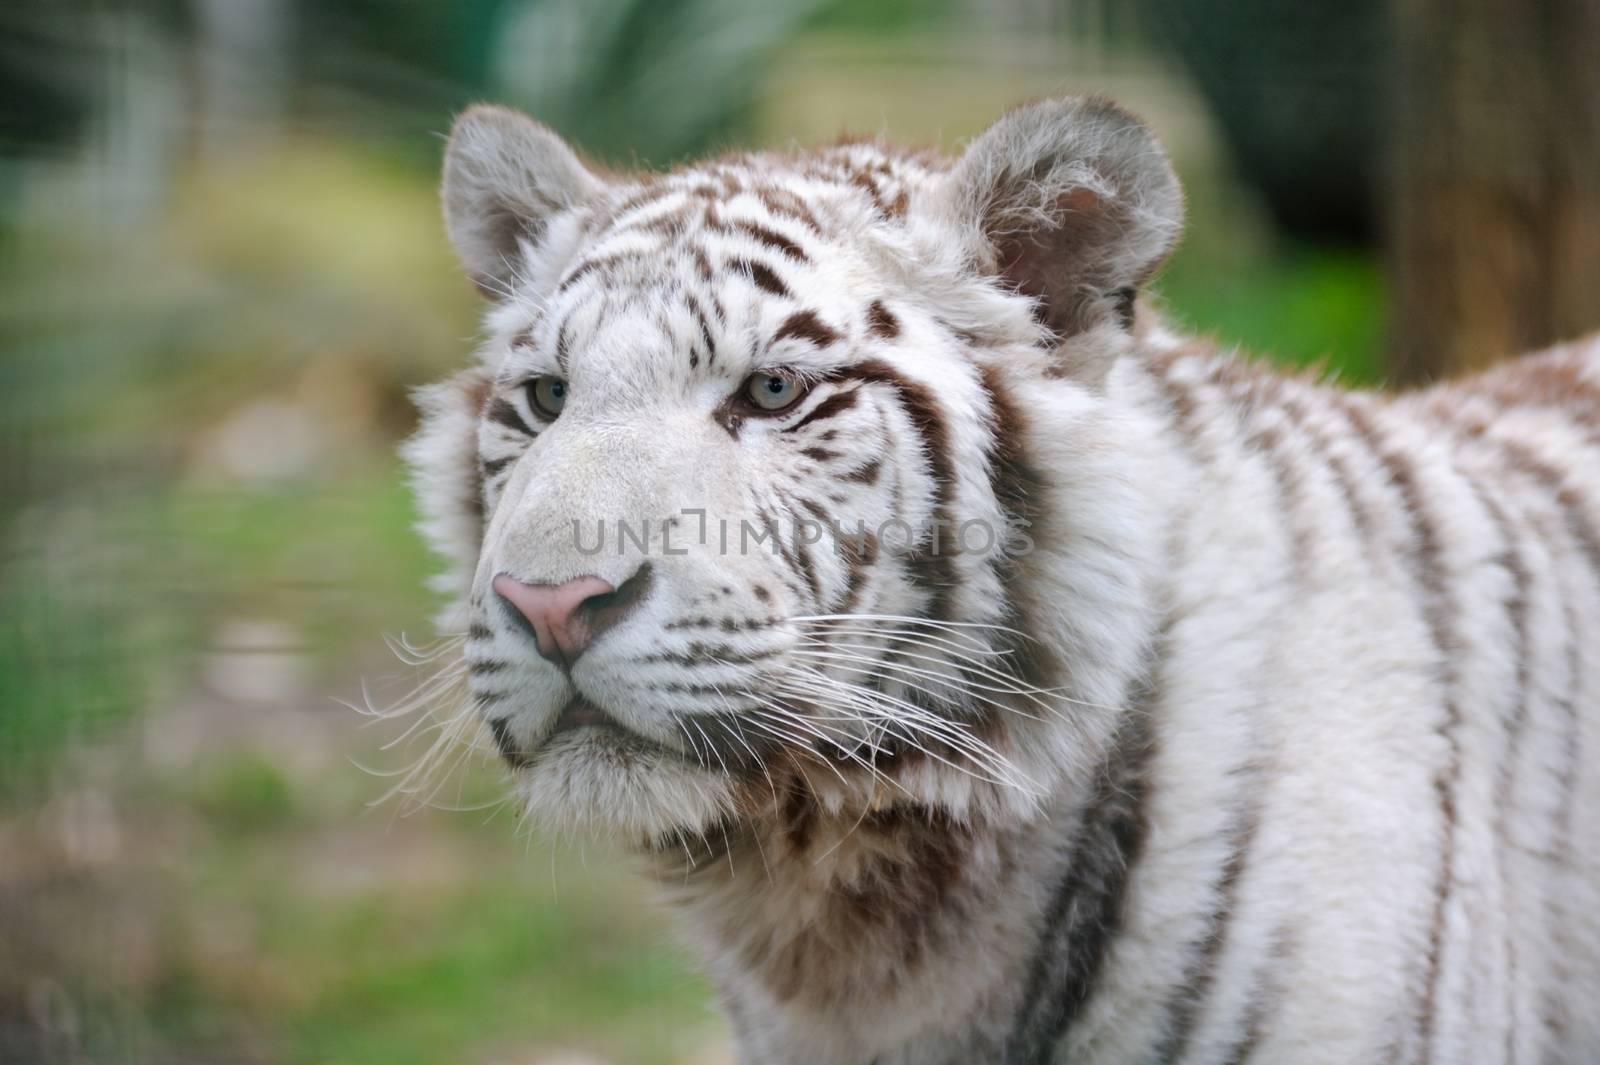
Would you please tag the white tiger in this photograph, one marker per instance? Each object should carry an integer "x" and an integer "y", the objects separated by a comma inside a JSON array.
[{"x": 1262, "y": 727}]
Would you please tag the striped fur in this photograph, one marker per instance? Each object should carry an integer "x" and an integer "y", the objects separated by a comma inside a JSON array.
[{"x": 1276, "y": 746}]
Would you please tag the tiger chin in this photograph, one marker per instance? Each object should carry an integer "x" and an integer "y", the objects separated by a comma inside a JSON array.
[{"x": 987, "y": 673}]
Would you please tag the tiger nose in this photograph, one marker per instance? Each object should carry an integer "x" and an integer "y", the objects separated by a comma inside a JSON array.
[{"x": 566, "y": 618}]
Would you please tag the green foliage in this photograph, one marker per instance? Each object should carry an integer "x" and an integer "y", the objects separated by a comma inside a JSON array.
[
  {"x": 1306, "y": 308},
  {"x": 641, "y": 81},
  {"x": 246, "y": 793},
  {"x": 882, "y": 16},
  {"x": 69, "y": 667},
  {"x": 419, "y": 988}
]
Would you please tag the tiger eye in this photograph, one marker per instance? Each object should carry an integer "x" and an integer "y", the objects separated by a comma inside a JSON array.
[
  {"x": 771, "y": 391},
  {"x": 547, "y": 395}
]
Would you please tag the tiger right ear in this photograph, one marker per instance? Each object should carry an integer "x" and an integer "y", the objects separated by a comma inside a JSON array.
[
  {"x": 505, "y": 177},
  {"x": 1071, "y": 201}
]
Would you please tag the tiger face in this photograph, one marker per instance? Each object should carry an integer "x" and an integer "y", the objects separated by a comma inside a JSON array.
[{"x": 747, "y": 491}]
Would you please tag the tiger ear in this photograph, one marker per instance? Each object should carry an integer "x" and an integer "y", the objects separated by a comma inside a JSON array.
[
  {"x": 505, "y": 177},
  {"x": 1071, "y": 201}
]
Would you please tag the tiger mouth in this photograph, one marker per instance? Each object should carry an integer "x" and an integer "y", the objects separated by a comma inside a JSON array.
[
  {"x": 580, "y": 713},
  {"x": 590, "y": 727},
  {"x": 588, "y": 721}
]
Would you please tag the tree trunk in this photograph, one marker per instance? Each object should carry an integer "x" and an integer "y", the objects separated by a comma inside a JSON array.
[{"x": 1495, "y": 212}]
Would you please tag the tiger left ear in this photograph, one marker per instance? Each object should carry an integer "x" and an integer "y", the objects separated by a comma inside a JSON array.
[
  {"x": 505, "y": 177},
  {"x": 1071, "y": 201}
]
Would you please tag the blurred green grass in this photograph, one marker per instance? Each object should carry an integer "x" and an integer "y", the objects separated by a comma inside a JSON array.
[{"x": 387, "y": 947}]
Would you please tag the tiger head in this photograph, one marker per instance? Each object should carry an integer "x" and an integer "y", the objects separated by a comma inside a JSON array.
[{"x": 788, "y": 479}]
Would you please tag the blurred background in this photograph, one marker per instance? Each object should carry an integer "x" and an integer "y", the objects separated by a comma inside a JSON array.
[{"x": 222, "y": 268}]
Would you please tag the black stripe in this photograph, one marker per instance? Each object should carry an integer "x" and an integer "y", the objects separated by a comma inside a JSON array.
[
  {"x": 935, "y": 571},
  {"x": 1264, "y": 394},
  {"x": 1020, "y": 491},
  {"x": 1585, "y": 538},
  {"x": 509, "y": 750},
  {"x": 1423, "y": 553},
  {"x": 1014, "y": 481},
  {"x": 1515, "y": 606},
  {"x": 1180, "y": 397},
  {"x": 492, "y": 467},
  {"x": 801, "y": 560},
  {"x": 1201, "y": 972},
  {"x": 1269, "y": 989},
  {"x": 501, "y": 412},
  {"x": 700, "y": 654},
  {"x": 866, "y": 473},
  {"x": 815, "y": 509},
  {"x": 1087, "y": 910},
  {"x": 1553, "y": 1007},
  {"x": 1361, "y": 518},
  {"x": 721, "y": 741},
  {"x": 837, "y": 403}
]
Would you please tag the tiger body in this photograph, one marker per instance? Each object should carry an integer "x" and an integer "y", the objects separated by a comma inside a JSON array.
[{"x": 1272, "y": 747}]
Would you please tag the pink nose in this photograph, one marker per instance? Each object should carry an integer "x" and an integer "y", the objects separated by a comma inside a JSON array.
[{"x": 566, "y": 618}]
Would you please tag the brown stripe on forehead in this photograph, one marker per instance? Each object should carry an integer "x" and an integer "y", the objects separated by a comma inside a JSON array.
[
  {"x": 527, "y": 336},
  {"x": 781, "y": 201},
  {"x": 704, "y": 323},
  {"x": 881, "y": 322},
  {"x": 771, "y": 238},
  {"x": 805, "y": 325},
  {"x": 864, "y": 181},
  {"x": 670, "y": 224},
  {"x": 761, "y": 275},
  {"x": 589, "y": 266},
  {"x": 563, "y": 346},
  {"x": 702, "y": 262},
  {"x": 652, "y": 192}
]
